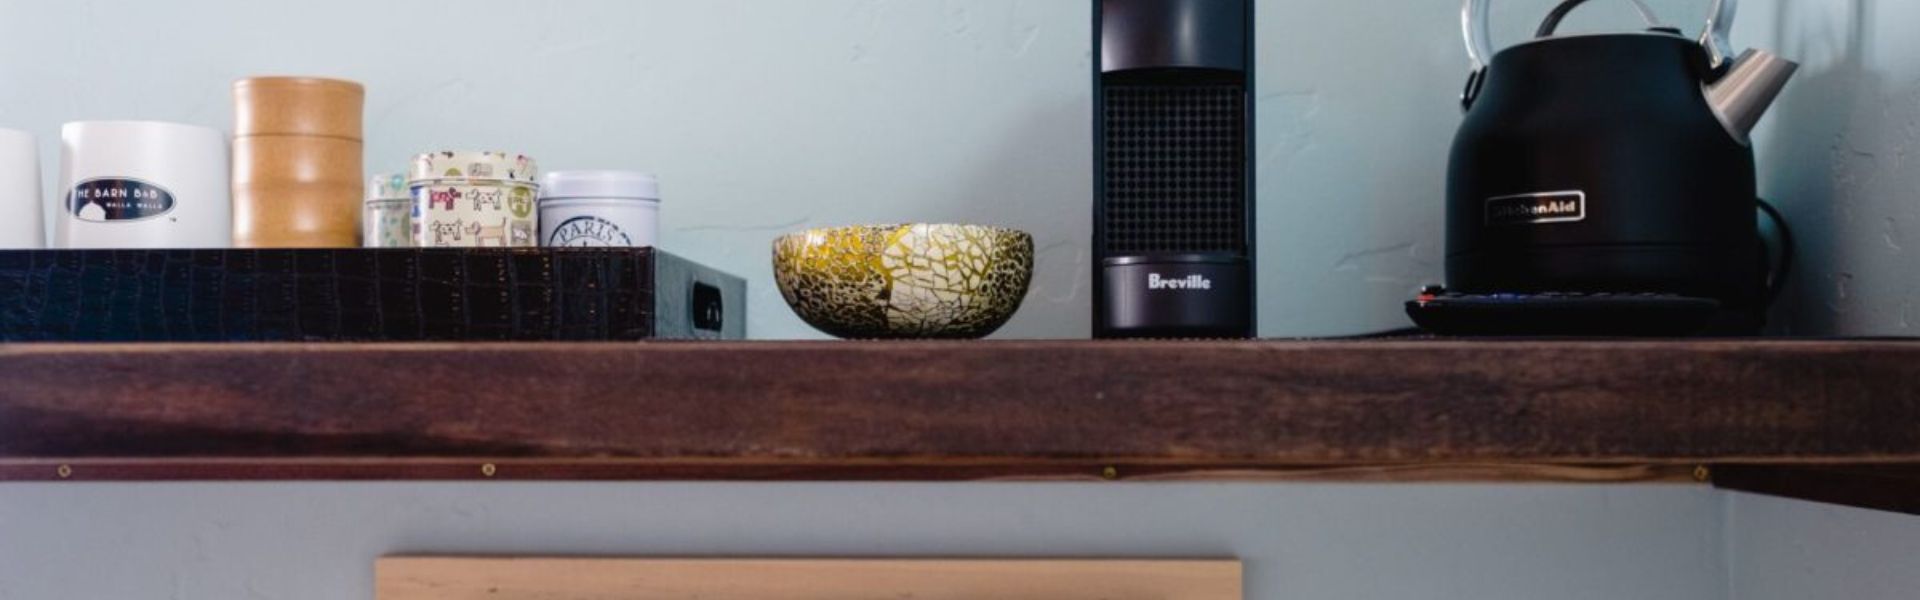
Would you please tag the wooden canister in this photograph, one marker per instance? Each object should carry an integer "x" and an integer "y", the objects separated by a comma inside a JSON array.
[
  {"x": 298, "y": 106},
  {"x": 297, "y": 162},
  {"x": 288, "y": 190}
]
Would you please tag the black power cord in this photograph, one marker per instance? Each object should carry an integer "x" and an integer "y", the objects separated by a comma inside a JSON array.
[
  {"x": 1384, "y": 334},
  {"x": 1777, "y": 279}
]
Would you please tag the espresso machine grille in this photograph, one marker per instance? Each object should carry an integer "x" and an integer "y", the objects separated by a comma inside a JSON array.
[{"x": 1174, "y": 163}]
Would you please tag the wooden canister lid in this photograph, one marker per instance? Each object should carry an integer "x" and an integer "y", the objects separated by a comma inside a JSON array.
[{"x": 298, "y": 106}]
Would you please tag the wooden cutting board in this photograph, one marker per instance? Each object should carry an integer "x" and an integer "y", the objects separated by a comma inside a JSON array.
[{"x": 506, "y": 578}]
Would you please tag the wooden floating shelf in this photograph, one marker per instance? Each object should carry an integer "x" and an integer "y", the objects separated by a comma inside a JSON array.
[{"x": 1366, "y": 410}]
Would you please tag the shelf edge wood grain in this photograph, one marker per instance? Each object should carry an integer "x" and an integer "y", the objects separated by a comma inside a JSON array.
[
  {"x": 504, "y": 578},
  {"x": 1011, "y": 470},
  {"x": 1564, "y": 411}
]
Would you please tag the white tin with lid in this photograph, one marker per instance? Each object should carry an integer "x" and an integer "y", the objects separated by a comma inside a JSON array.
[{"x": 599, "y": 208}]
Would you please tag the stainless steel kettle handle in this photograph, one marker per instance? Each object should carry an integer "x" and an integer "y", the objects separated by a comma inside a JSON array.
[
  {"x": 1474, "y": 28},
  {"x": 1717, "y": 38}
]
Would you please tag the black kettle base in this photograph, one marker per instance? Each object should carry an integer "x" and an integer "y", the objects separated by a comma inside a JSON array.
[{"x": 1563, "y": 314}]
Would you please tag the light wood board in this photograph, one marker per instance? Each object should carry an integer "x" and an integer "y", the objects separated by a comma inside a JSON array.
[{"x": 456, "y": 578}]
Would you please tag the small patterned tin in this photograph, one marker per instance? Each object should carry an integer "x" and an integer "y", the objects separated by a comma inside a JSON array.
[
  {"x": 388, "y": 220},
  {"x": 474, "y": 199}
]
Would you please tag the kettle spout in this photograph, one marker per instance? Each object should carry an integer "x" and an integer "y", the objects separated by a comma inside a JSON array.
[{"x": 1741, "y": 97}]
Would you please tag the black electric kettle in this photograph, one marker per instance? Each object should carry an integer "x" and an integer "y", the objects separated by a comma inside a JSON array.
[{"x": 1611, "y": 164}]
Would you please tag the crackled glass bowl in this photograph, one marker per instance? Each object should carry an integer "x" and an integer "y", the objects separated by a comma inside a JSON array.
[{"x": 911, "y": 281}]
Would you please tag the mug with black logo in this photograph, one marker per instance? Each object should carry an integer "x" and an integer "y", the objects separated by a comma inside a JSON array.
[{"x": 143, "y": 184}]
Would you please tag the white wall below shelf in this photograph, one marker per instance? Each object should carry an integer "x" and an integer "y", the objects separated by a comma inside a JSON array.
[{"x": 299, "y": 541}]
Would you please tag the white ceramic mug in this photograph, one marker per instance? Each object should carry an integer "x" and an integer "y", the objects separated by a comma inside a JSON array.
[
  {"x": 24, "y": 227},
  {"x": 143, "y": 184}
]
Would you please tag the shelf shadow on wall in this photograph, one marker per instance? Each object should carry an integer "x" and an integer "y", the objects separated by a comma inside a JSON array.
[{"x": 1824, "y": 182}]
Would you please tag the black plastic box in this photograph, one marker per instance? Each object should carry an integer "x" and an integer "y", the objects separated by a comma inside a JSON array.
[{"x": 410, "y": 294}]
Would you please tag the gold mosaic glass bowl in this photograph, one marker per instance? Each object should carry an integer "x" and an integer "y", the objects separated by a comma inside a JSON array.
[{"x": 904, "y": 281}]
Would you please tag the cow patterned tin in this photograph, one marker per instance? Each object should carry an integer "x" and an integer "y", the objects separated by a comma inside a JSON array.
[{"x": 474, "y": 200}]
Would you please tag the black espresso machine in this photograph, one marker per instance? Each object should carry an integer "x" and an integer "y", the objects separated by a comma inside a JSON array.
[{"x": 1604, "y": 184}]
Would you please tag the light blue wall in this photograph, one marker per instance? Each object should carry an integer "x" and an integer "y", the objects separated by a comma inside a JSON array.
[
  {"x": 1842, "y": 155},
  {"x": 766, "y": 116},
  {"x": 760, "y": 117}
]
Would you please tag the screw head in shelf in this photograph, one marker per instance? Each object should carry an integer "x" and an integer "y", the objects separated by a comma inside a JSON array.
[
  {"x": 1702, "y": 474},
  {"x": 488, "y": 469},
  {"x": 1109, "y": 473},
  {"x": 64, "y": 471}
]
